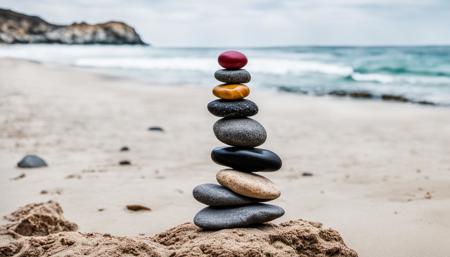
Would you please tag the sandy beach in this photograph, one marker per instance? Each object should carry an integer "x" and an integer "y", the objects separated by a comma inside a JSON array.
[{"x": 380, "y": 171}]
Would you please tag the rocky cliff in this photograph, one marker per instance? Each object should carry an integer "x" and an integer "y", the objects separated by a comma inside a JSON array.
[{"x": 16, "y": 28}]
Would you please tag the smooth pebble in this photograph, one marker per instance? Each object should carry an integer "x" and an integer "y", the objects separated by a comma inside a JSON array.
[
  {"x": 231, "y": 91},
  {"x": 246, "y": 159},
  {"x": 31, "y": 161},
  {"x": 233, "y": 76},
  {"x": 243, "y": 132},
  {"x": 217, "y": 195},
  {"x": 248, "y": 184},
  {"x": 232, "y": 60},
  {"x": 213, "y": 218},
  {"x": 232, "y": 109}
]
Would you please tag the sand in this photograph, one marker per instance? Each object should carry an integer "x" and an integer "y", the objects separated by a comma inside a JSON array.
[
  {"x": 380, "y": 170},
  {"x": 40, "y": 230}
]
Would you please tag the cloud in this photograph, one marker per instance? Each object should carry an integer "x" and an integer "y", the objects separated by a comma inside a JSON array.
[{"x": 260, "y": 22}]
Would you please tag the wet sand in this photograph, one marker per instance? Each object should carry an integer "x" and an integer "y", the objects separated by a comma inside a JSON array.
[{"x": 380, "y": 171}]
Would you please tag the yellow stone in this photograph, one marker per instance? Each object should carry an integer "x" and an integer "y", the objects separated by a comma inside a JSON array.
[{"x": 231, "y": 91}]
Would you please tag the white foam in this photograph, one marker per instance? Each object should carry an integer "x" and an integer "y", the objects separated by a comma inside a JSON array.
[
  {"x": 286, "y": 66},
  {"x": 269, "y": 66},
  {"x": 390, "y": 79},
  {"x": 186, "y": 64},
  {"x": 380, "y": 78},
  {"x": 135, "y": 57}
]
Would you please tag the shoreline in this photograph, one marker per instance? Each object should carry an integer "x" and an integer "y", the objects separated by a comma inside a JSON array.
[
  {"x": 334, "y": 94},
  {"x": 339, "y": 77},
  {"x": 373, "y": 163}
]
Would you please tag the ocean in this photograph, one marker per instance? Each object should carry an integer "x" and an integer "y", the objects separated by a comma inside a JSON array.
[{"x": 406, "y": 74}]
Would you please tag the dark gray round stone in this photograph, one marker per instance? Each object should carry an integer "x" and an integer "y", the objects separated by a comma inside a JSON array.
[
  {"x": 31, "y": 161},
  {"x": 233, "y": 76},
  {"x": 243, "y": 132},
  {"x": 217, "y": 195},
  {"x": 232, "y": 109},
  {"x": 212, "y": 218}
]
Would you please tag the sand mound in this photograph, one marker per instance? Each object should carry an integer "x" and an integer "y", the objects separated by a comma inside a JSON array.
[
  {"x": 293, "y": 238},
  {"x": 39, "y": 220},
  {"x": 40, "y": 230}
]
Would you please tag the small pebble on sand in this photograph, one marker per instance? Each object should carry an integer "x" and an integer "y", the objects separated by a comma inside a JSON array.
[
  {"x": 156, "y": 128},
  {"x": 21, "y": 176},
  {"x": 137, "y": 207},
  {"x": 125, "y": 162}
]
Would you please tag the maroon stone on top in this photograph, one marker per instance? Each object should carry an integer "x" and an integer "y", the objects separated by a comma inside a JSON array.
[{"x": 232, "y": 60}]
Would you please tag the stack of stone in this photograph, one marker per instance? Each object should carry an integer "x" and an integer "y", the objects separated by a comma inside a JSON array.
[{"x": 236, "y": 202}]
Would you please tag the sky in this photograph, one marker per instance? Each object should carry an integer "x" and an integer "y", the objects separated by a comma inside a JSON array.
[{"x": 246, "y": 23}]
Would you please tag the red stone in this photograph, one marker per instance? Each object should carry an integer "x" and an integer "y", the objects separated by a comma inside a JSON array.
[{"x": 232, "y": 60}]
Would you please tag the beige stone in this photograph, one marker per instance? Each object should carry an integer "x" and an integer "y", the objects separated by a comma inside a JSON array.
[{"x": 248, "y": 184}]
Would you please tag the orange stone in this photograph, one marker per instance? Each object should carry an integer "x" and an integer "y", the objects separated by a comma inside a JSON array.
[{"x": 231, "y": 91}]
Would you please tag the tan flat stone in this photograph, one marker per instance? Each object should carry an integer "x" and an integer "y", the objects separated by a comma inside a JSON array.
[{"x": 248, "y": 184}]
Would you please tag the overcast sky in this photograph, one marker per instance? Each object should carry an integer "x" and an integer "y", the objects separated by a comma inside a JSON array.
[{"x": 260, "y": 22}]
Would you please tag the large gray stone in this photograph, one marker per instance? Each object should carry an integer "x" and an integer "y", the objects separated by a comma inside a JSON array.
[
  {"x": 217, "y": 195},
  {"x": 31, "y": 161},
  {"x": 233, "y": 76},
  {"x": 243, "y": 132},
  {"x": 212, "y": 218},
  {"x": 232, "y": 109}
]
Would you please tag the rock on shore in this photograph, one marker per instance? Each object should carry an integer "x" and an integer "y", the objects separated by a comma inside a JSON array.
[
  {"x": 17, "y": 28},
  {"x": 47, "y": 233}
]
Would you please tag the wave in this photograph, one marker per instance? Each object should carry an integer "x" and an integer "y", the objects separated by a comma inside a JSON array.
[
  {"x": 387, "y": 74},
  {"x": 186, "y": 64},
  {"x": 390, "y": 79},
  {"x": 268, "y": 66},
  {"x": 402, "y": 71},
  {"x": 283, "y": 66}
]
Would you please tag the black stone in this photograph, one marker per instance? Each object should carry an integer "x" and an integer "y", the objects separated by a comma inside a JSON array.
[
  {"x": 31, "y": 161},
  {"x": 125, "y": 162},
  {"x": 156, "y": 128},
  {"x": 232, "y": 109},
  {"x": 243, "y": 132},
  {"x": 246, "y": 159},
  {"x": 124, "y": 149},
  {"x": 213, "y": 218},
  {"x": 233, "y": 76},
  {"x": 217, "y": 195}
]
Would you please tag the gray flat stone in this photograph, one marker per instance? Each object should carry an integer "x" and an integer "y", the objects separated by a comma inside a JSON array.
[
  {"x": 232, "y": 109},
  {"x": 31, "y": 161},
  {"x": 217, "y": 195},
  {"x": 243, "y": 132},
  {"x": 233, "y": 76},
  {"x": 213, "y": 218}
]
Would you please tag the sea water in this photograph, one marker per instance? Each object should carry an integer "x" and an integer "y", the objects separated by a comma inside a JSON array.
[{"x": 418, "y": 74}]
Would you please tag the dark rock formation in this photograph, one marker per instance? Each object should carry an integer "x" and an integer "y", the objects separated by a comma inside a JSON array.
[{"x": 17, "y": 28}]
